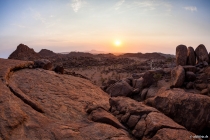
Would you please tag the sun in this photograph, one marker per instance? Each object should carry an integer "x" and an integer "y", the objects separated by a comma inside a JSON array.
[{"x": 117, "y": 43}]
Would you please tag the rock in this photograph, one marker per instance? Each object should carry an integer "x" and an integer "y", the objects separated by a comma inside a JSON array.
[
  {"x": 190, "y": 85},
  {"x": 144, "y": 93},
  {"x": 152, "y": 91},
  {"x": 181, "y": 55},
  {"x": 205, "y": 64},
  {"x": 120, "y": 88},
  {"x": 187, "y": 109},
  {"x": 23, "y": 52},
  {"x": 136, "y": 76},
  {"x": 100, "y": 115},
  {"x": 190, "y": 68},
  {"x": 128, "y": 80},
  {"x": 43, "y": 63},
  {"x": 47, "y": 53},
  {"x": 191, "y": 59},
  {"x": 177, "y": 76},
  {"x": 143, "y": 121},
  {"x": 201, "y": 54},
  {"x": 138, "y": 83},
  {"x": 201, "y": 86},
  {"x": 205, "y": 91},
  {"x": 190, "y": 76},
  {"x": 148, "y": 79},
  {"x": 59, "y": 69},
  {"x": 63, "y": 100}
]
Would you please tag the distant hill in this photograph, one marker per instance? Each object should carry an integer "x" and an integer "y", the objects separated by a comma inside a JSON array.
[
  {"x": 154, "y": 55},
  {"x": 23, "y": 52}
]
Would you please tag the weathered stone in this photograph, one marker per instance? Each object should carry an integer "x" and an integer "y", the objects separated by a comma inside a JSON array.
[
  {"x": 201, "y": 53},
  {"x": 120, "y": 88},
  {"x": 62, "y": 98},
  {"x": 205, "y": 91},
  {"x": 190, "y": 68},
  {"x": 177, "y": 76},
  {"x": 144, "y": 121},
  {"x": 148, "y": 79},
  {"x": 144, "y": 93},
  {"x": 138, "y": 83},
  {"x": 201, "y": 86},
  {"x": 43, "y": 63},
  {"x": 100, "y": 115},
  {"x": 190, "y": 76},
  {"x": 59, "y": 69},
  {"x": 181, "y": 55},
  {"x": 188, "y": 109},
  {"x": 189, "y": 85},
  {"x": 152, "y": 91},
  {"x": 191, "y": 59}
]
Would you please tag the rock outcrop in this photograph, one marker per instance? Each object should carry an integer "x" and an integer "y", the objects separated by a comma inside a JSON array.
[
  {"x": 177, "y": 76},
  {"x": 120, "y": 88},
  {"x": 201, "y": 54},
  {"x": 40, "y": 104},
  {"x": 191, "y": 58},
  {"x": 146, "y": 122},
  {"x": 181, "y": 55},
  {"x": 187, "y": 109},
  {"x": 23, "y": 52}
]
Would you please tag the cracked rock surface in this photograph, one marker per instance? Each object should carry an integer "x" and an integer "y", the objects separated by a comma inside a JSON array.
[
  {"x": 145, "y": 122},
  {"x": 40, "y": 104}
]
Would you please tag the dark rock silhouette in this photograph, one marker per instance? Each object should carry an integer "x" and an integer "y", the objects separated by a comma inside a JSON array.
[
  {"x": 181, "y": 55},
  {"x": 191, "y": 58},
  {"x": 23, "y": 52},
  {"x": 201, "y": 54}
]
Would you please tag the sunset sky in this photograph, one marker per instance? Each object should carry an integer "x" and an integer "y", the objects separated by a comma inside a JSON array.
[{"x": 104, "y": 25}]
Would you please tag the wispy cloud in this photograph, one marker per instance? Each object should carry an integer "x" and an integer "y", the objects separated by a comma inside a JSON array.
[
  {"x": 118, "y": 4},
  {"x": 153, "y": 5},
  {"x": 19, "y": 25},
  {"x": 191, "y": 8},
  {"x": 77, "y": 4}
]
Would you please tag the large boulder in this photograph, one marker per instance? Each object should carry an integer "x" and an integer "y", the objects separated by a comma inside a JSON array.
[
  {"x": 148, "y": 79},
  {"x": 177, "y": 76},
  {"x": 40, "y": 104},
  {"x": 181, "y": 55},
  {"x": 43, "y": 63},
  {"x": 201, "y": 53},
  {"x": 121, "y": 88},
  {"x": 187, "y": 109},
  {"x": 191, "y": 59},
  {"x": 190, "y": 76},
  {"x": 138, "y": 83},
  {"x": 146, "y": 122}
]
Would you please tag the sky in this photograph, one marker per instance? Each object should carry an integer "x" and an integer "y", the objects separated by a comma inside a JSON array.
[{"x": 104, "y": 25}]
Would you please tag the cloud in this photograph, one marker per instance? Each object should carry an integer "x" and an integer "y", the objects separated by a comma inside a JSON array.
[
  {"x": 191, "y": 8},
  {"x": 37, "y": 16},
  {"x": 19, "y": 25},
  {"x": 118, "y": 4},
  {"x": 77, "y": 4}
]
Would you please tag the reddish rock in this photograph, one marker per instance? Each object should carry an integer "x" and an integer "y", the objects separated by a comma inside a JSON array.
[
  {"x": 181, "y": 55},
  {"x": 43, "y": 63},
  {"x": 190, "y": 68},
  {"x": 23, "y": 52},
  {"x": 120, "y": 88},
  {"x": 190, "y": 76},
  {"x": 59, "y": 69},
  {"x": 177, "y": 76},
  {"x": 187, "y": 109},
  {"x": 191, "y": 59},
  {"x": 145, "y": 122},
  {"x": 40, "y": 104},
  {"x": 201, "y": 54}
]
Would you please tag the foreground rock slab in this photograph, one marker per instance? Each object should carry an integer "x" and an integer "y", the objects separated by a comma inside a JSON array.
[{"x": 40, "y": 104}]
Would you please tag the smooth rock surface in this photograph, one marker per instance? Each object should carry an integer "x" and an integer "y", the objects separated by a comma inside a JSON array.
[{"x": 181, "y": 55}]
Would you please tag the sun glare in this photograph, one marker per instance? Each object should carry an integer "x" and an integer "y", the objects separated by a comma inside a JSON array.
[{"x": 117, "y": 43}]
